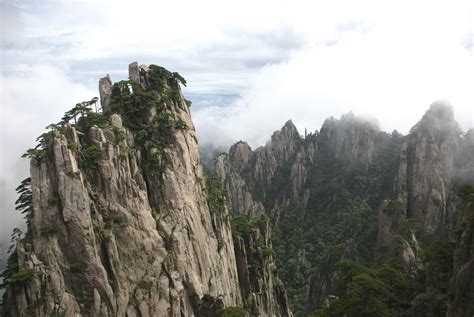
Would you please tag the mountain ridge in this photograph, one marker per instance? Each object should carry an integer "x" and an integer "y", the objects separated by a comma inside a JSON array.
[
  {"x": 123, "y": 221},
  {"x": 390, "y": 179}
]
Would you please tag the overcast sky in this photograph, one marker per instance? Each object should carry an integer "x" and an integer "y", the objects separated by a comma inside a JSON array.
[{"x": 250, "y": 65}]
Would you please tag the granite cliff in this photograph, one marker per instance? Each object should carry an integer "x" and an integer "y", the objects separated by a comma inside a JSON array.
[
  {"x": 123, "y": 221},
  {"x": 351, "y": 192}
]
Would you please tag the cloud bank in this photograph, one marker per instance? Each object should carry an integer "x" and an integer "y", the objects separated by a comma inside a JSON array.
[
  {"x": 392, "y": 67},
  {"x": 32, "y": 97},
  {"x": 250, "y": 65}
]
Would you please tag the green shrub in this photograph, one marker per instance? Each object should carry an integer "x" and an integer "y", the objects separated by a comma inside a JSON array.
[
  {"x": 90, "y": 155},
  {"x": 241, "y": 226},
  {"x": 73, "y": 174},
  {"x": 216, "y": 195},
  {"x": 166, "y": 123},
  {"x": 85, "y": 300},
  {"x": 24, "y": 203},
  {"x": 394, "y": 207},
  {"x": 72, "y": 146},
  {"x": 53, "y": 201},
  {"x": 133, "y": 302},
  {"x": 46, "y": 231},
  {"x": 467, "y": 193},
  {"x": 233, "y": 312},
  {"x": 116, "y": 219},
  {"x": 268, "y": 251},
  {"x": 92, "y": 152},
  {"x": 36, "y": 153},
  {"x": 101, "y": 233},
  {"x": 119, "y": 135},
  {"x": 90, "y": 119},
  {"x": 23, "y": 276},
  {"x": 78, "y": 267}
]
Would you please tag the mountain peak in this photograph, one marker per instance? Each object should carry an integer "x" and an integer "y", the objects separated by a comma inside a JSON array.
[
  {"x": 289, "y": 125},
  {"x": 285, "y": 141},
  {"x": 130, "y": 216},
  {"x": 427, "y": 168},
  {"x": 438, "y": 118},
  {"x": 441, "y": 108},
  {"x": 240, "y": 153},
  {"x": 349, "y": 139}
]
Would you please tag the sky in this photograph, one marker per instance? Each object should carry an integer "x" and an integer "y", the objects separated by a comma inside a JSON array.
[{"x": 250, "y": 65}]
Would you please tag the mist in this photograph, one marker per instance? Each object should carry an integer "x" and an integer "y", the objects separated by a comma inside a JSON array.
[
  {"x": 464, "y": 163},
  {"x": 247, "y": 72},
  {"x": 32, "y": 98},
  {"x": 372, "y": 76}
]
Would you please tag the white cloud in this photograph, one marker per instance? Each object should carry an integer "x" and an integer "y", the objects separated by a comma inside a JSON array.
[
  {"x": 32, "y": 97},
  {"x": 304, "y": 60},
  {"x": 392, "y": 69}
]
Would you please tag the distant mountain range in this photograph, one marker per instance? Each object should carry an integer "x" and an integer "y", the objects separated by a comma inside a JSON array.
[{"x": 123, "y": 219}]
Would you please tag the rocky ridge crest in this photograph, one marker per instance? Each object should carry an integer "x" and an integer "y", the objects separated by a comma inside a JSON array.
[{"x": 121, "y": 222}]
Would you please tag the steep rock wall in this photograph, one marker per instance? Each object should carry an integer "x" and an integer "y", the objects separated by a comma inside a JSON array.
[
  {"x": 426, "y": 170},
  {"x": 461, "y": 288},
  {"x": 121, "y": 224}
]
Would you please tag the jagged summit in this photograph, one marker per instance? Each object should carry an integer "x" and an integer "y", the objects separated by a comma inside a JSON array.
[
  {"x": 427, "y": 166},
  {"x": 350, "y": 139},
  {"x": 438, "y": 121},
  {"x": 289, "y": 126},
  {"x": 123, "y": 221},
  {"x": 442, "y": 110},
  {"x": 350, "y": 119},
  {"x": 241, "y": 153},
  {"x": 352, "y": 192}
]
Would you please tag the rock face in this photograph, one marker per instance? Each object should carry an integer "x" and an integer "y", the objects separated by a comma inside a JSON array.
[
  {"x": 279, "y": 177},
  {"x": 123, "y": 221},
  {"x": 435, "y": 160},
  {"x": 396, "y": 241},
  {"x": 121, "y": 224},
  {"x": 461, "y": 288},
  {"x": 241, "y": 200},
  {"x": 350, "y": 139},
  {"x": 427, "y": 168},
  {"x": 105, "y": 92},
  {"x": 261, "y": 291},
  {"x": 464, "y": 164},
  {"x": 408, "y": 184},
  {"x": 254, "y": 177},
  {"x": 461, "y": 285}
]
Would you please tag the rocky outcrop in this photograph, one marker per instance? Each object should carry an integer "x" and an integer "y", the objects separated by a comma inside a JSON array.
[
  {"x": 396, "y": 241},
  {"x": 105, "y": 92},
  {"x": 461, "y": 288},
  {"x": 121, "y": 224},
  {"x": 464, "y": 164},
  {"x": 280, "y": 176},
  {"x": 350, "y": 140},
  {"x": 408, "y": 183},
  {"x": 323, "y": 284},
  {"x": 262, "y": 292},
  {"x": 427, "y": 168},
  {"x": 235, "y": 182},
  {"x": 254, "y": 178},
  {"x": 321, "y": 288}
]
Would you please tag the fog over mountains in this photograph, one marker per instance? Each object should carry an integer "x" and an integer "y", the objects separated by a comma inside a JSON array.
[
  {"x": 122, "y": 218},
  {"x": 245, "y": 64},
  {"x": 250, "y": 67}
]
